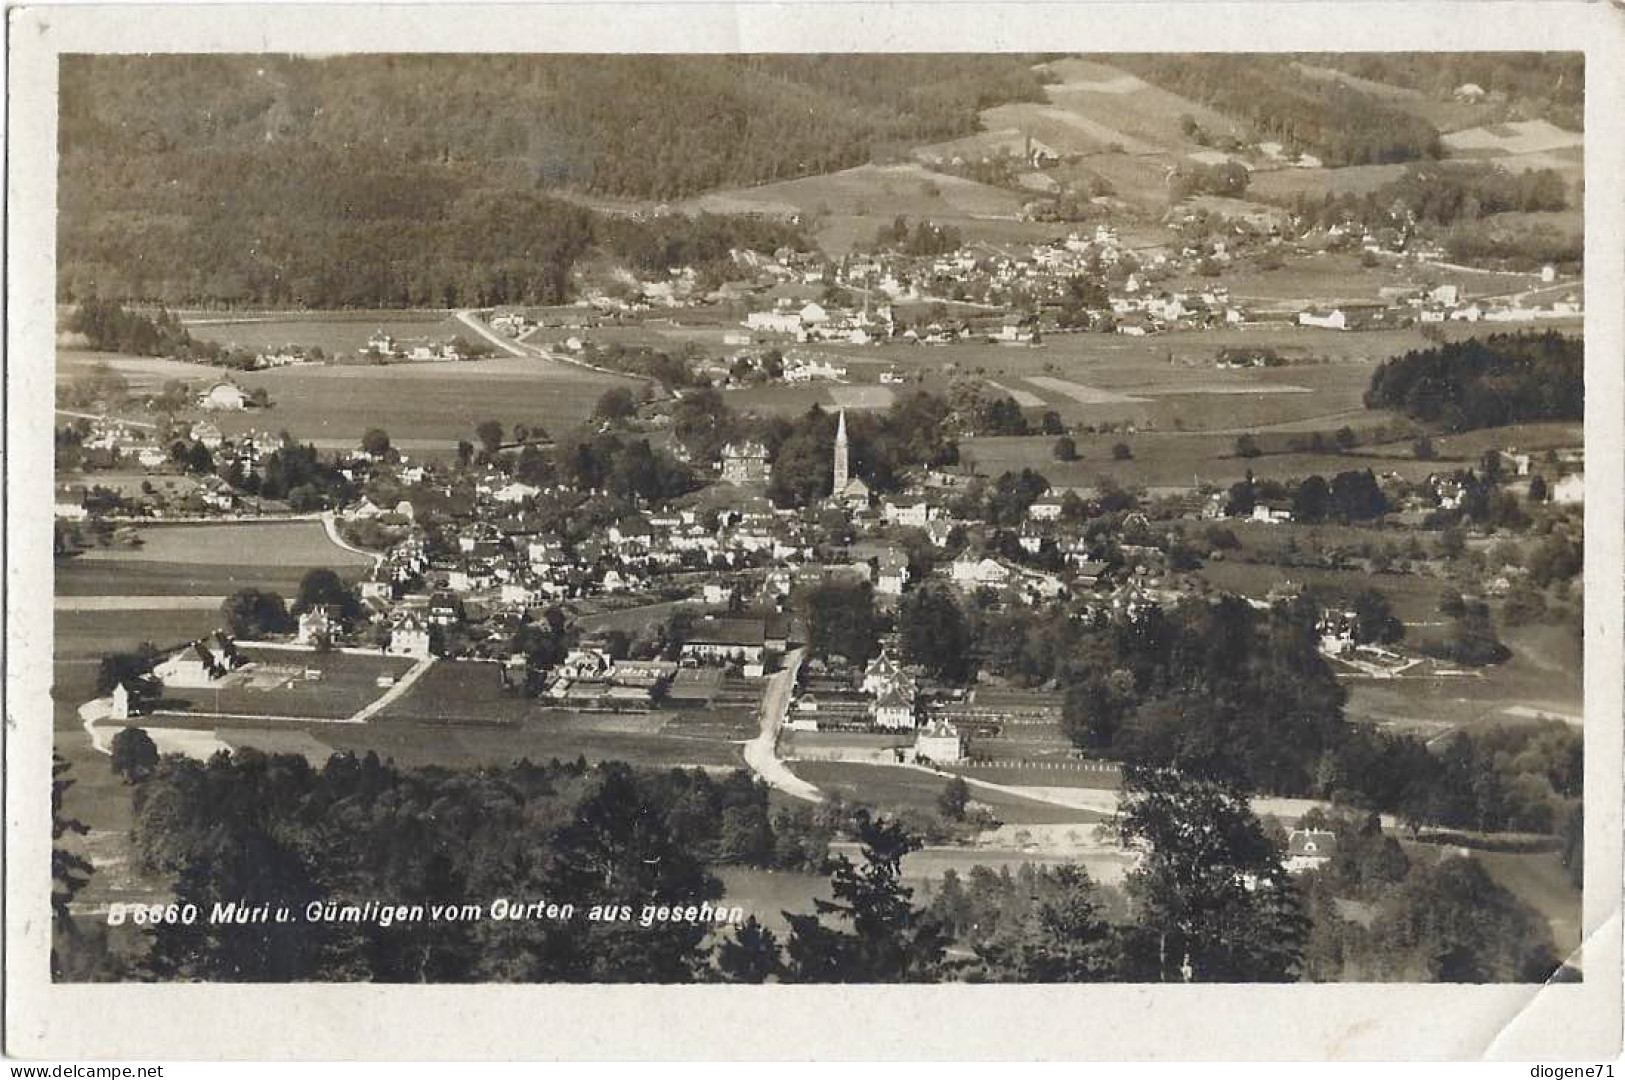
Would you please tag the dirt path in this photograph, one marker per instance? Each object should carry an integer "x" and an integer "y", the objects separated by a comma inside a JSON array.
[
  {"x": 467, "y": 318},
  {"x": 394, "y": 693},
  {"x": 761, "y": 753},
  {"x": 331, "y": 525}
]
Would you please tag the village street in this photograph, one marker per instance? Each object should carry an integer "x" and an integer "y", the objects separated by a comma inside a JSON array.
[{"x": 761, "y": 753}]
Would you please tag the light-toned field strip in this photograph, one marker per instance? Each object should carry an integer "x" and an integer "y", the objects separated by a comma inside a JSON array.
[
  {"x": 137, "y": 603},
  {"x": 862, "y": 397},
  {"x": 1025, "y": 398},
  {"x": 1528, "y": 712},
  {"x": 1223, "y": 388},
  {"x": 1084, "y": 395}
]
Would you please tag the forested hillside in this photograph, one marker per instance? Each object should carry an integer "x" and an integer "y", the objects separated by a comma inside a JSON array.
[
  {"x": 1544, "y": 84},
  {"x": 655, "y": 127},
  {"x": 391, "y": 181},
  {"x": 1336, "y": 123}
]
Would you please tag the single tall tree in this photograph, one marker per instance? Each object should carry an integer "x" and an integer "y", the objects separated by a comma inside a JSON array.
[{"x": 870, "y": 932}]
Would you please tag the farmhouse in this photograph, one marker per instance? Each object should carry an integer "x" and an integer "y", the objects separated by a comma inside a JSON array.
[
  {"x": 316, "y": 626},
  {"x": 892, "y": 574},
  {"x": 911, "y": 512},
  {"x": 1272, "y": 511},
  {"x": 1307, "y": 849},
  {"x": 409, "y": 636},
  {"x": 208, "y": 434},
  {"x": 223, "y": 397},
  {"x": 1570, "y": 490},
  {"x": 940, "y": 743},
  {"x": 728, "y": 640},
  {"x": 202, "y": 664},
  {"x": 894, "y": 709},
  {"x": 970, "y": 570},
  {"x": 1045, "y": 508}
]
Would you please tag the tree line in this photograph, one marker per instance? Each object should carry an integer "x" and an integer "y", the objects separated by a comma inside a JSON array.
[{"x": 1440, "y": 194}]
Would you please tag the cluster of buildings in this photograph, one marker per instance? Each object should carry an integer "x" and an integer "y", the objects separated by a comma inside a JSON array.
[{"x": 385, "y": 346}]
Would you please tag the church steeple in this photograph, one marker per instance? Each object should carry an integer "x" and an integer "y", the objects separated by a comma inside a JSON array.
[{"x": 842, "y": 468}]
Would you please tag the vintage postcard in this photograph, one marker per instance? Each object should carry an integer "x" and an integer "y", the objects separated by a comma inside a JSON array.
[{"x": 843, "y": 532}]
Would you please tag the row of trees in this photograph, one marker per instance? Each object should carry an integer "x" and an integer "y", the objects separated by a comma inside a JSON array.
[{"x": 1353, "y": 495}]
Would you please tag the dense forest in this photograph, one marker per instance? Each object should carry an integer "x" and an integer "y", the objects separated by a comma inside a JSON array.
[
  {"x": 1544, "y": 84},
  {"x": 641, "y": 126},
  {"x": 1485, "y": 382},
  {"x": 1336, "y": 123},
  {"x": 423, "y": 180},
  {"x": 261, "y": 227}
]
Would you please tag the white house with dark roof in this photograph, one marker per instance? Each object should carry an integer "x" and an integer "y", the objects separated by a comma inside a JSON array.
[
  {"x": 940, "y": 743},
  {"x": 1307, "y": 849}
]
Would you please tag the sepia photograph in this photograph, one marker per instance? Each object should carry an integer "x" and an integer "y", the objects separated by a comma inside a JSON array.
[{"x": 764, "y": 518}]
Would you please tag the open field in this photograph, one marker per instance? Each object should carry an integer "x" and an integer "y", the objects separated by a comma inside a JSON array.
[
  {"x": 887, "y": 787},
  {"x": 1325, "y": 277},
  {"x": 460, "y": 691},
  {"x": 467, "y": 692},
  {"x": 1283, "y": 185},
  {"x": 440, "y": 401},
  {"x": 278, "y": 683},
  {"x": 883, "y": 191},
  {"x": 1469, "y": 446},
  {"x": 538, "y": 740},
  {"x": 88, "y": 635},
  {"x": 1083, "y": 395},
  {"x": 1164, "y": 381},
  {"x": 1037, "y": 774},
  {"x": 1025, "y": 398},
  {"x": 1542, "y": 678},
  {"x": 112, "y": 577},
  {"x": 1169, "y": 459},
  {"x": 852, "y": 204},
  {"x": 1415, "y": 598},
  {"x": 862, "y": 397},
  {"x": 338, "y": 332},
  {"x": 254, "y": 543},
  {"x": 1512, "y": 138},
  {"x": 1127, "y": 103}
]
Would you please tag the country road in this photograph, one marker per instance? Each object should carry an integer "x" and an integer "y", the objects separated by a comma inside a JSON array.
[
  {"x": 467, "y": 318},
  {"x": 761, "y": 753}
]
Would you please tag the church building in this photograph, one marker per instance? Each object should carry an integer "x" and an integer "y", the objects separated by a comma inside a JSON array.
[{"x": 846, "y": 488}]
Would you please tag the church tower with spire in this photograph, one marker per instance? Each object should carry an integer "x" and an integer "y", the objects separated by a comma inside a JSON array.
[{"x": 842, "y": 467}]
